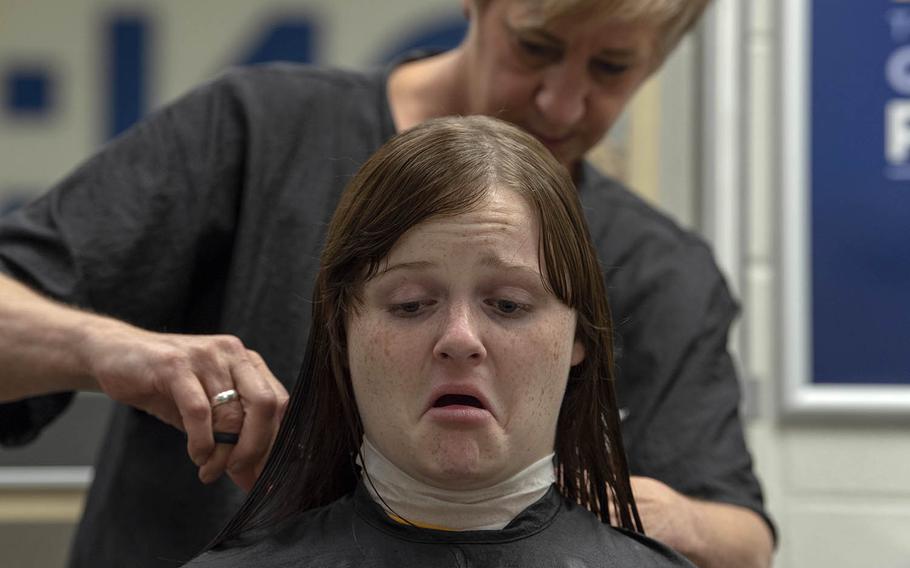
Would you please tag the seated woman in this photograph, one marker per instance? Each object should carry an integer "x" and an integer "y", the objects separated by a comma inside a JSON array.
[{"x": 456, "y": 403}]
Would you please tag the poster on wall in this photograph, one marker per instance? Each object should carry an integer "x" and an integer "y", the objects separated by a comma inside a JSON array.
[{"x": 846, "y": 206}]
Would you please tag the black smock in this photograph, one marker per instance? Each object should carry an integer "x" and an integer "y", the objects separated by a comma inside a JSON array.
[{"x": 354, "y": 531}]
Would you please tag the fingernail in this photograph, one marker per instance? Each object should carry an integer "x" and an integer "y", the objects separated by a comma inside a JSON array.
[
  {"x": 208, "y": 476},
  {"x": 202, "y": 457}
]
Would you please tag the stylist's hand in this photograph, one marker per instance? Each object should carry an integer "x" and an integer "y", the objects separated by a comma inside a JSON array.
[
  {"x": 174, "y": 377},
  {"x": 710, "y": 534},
  {"x": 667, "y": 515}
]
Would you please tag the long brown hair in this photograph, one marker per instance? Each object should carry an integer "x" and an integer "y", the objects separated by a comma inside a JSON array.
[{"x": 444, "y": 167}]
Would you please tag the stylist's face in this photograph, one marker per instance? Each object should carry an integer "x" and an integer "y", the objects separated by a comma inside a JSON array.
[
  {"x": 458, "y": 355},
  {"x": 565, "y": 81}
]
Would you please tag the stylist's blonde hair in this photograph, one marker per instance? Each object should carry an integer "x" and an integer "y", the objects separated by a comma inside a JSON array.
[{"x": 674, "y": 18}]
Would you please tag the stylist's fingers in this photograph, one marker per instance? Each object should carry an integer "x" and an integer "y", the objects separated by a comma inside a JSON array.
[
  {"x": 264, "y": 399},
  {"x": 245, "y": 477},
  {"x": 281, "y": 394},
  {"x": 195, "y": 415},
  {"x": 227, "y": 418}
]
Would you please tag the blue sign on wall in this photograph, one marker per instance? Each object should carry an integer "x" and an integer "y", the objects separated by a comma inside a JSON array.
[
  {"x": 860, "y": 191},
  {"x": 129, "y": 51}
]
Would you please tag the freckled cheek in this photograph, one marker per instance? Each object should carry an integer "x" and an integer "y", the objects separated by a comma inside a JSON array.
[
  {"x": 363, "y": 359},
  {"x": 536, "y": 383},
  {"x": 381, "y": 365}
]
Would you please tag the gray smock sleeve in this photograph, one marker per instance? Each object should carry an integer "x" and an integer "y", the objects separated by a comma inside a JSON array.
[{"x": 129, "y": 232}]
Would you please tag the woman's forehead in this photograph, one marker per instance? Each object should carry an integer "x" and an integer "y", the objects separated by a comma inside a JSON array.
[{"x": 503, "y": 220}]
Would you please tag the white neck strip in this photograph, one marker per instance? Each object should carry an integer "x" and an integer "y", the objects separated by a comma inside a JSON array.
[{"x": 490, "y": 508}]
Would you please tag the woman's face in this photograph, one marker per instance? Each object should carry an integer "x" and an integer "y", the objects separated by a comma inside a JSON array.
[{"x": 458, "y": 355}]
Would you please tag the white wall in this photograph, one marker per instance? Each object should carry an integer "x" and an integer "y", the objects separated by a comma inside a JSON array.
[{"x": 840, "y": 491}]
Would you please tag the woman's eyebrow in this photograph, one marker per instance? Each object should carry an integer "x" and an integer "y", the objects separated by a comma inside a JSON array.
[
  {"x": 416, "y": 265},
  {"x": 493, "y": 261},
  {"x": 486, "y": 261}
]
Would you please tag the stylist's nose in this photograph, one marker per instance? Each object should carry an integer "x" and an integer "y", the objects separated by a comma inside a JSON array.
[
  {"x": 561, "y": 97},
  {"x": 459, "y": 338}
]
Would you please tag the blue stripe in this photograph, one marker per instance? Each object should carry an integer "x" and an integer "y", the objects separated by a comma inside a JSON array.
[{"x": 127, "y": 71}]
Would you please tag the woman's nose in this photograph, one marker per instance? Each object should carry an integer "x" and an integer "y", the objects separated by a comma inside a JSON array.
[
  {"x": 459, "y": 339},
  {"x": 562, "y": 97}
]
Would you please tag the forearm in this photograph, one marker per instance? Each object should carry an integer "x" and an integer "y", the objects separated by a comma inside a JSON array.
[
  {"x": 48, "y": 347},
  {"x": 727, "y": 536},
  {"x": 710, "y": 534},
  {"x": 41, "y": 344}
]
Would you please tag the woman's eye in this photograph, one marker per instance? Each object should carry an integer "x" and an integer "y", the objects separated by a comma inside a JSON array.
[
  {"x": 409, "y": 309},
  {"x": 507, "y": 307}
]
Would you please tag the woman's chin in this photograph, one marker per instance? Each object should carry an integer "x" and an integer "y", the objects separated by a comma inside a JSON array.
[{"x": 460, "y": 463}]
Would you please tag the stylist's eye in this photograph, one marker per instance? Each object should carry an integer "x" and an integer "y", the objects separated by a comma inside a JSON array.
[
  {"x": 536, "y": 51},
  {"x": 608, "y": 68}
]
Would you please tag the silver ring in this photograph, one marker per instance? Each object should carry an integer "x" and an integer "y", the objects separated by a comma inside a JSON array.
[{"x": 224, "y": 397}]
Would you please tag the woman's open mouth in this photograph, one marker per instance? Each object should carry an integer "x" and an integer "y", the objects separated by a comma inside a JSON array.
[
  {"x": 457, "y": 400},
  {"x": 459, "y": 409}
]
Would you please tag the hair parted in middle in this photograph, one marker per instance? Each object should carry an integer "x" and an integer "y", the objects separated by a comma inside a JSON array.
[{"x": 444, "y": 167}]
